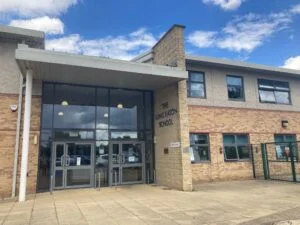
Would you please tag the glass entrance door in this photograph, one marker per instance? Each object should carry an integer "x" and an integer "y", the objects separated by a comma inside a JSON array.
[
  {"x": 127, "y": 163},
  {"x": 72, "y": 165}
]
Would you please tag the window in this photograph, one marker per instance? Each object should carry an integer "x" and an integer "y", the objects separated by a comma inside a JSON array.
[
  {"x": 282, "y": 143},
  {"x": 274, "y": 91},
  {"x": 235, "y": 88},
  {"x": 200, "y": 147},
  {"x": 196, "y": 85},
  {"x": 236, "y": 147}
]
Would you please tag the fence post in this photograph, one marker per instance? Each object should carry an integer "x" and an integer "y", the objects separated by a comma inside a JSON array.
[
  {"x": 292, "y": 162},
  {"x": 253, "y": 162},
  {"x": 264, "y": 159}
]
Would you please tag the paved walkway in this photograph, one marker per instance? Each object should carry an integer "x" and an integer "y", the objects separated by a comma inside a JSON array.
[{"x": 212, "y": 203}]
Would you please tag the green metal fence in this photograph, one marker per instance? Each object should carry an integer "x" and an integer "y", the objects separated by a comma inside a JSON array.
[{"x": 280, "y": 161}]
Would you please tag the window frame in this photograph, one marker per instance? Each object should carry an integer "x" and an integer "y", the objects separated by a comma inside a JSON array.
[
  {"x": 201, "y": 145},
  {"x": 236, "y": 147},
  {"x": 243, "y": 87},
  {"x": 189, "y": 82},
  {"x": 274, "y": 90}
]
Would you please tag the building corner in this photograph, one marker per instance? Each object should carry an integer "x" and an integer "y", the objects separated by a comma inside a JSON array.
[{"x": 172, "y": 148}]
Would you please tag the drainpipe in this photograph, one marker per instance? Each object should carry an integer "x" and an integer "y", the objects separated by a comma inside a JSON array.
[
  {"x": 26, "y": 131},
  {"x": 15, "y": 167}
]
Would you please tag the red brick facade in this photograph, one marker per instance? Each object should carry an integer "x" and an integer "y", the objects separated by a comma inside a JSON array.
[
  {"x": 261, "y": 125},
  {"x": 8, "y": 121}
]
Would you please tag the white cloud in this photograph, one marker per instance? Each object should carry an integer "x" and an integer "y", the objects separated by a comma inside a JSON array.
[
  {"x": 120, "y": 47},
  {"x": 46, "y": 24},
  {"x": 32, "y": 8},
  {"x": 292, "y": 63},
  {"x": 295, "y": 9},
  {"x": 244, "y": 33},
  {"x": 65, "y": 44},
  {"x": 202, "y": 39},
  {"x": 225, "y": 4},
  {"x": 248, "y": 32}
]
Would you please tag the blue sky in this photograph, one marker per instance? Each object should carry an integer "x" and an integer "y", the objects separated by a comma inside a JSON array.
[{"x": 258, "y": 31}]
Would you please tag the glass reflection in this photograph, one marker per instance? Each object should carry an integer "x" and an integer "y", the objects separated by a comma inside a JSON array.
[
  {"x": 78, "y": 155},
  {"x": 73, "y": 134},
  {"x": 126, "y": 109},
  {"x": 102, "y": 135},
  {"x": 47, "y": 113},
  {"x": 102, "y": 108},
  {"x": 71, "y": 116},
  {"x": 101, "y": 162},
  {"x": 44, "y": 165},
  {"x": 74, "y": 107},
  {"x": 124, "y": 135},
  {"x": 74, "y": 113}
]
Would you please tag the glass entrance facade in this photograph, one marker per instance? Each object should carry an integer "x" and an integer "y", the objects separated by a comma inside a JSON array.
[{"x": 74, "y": 115}]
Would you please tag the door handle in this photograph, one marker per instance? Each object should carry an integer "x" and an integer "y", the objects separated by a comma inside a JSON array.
[
  {"x": 120, "y": 159},
  {"x": 67, "y": 160},
  {"x": 62, "y": 161}
]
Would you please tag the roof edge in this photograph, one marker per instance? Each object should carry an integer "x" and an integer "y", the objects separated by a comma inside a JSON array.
[
  {"x": 34, "y": 37},
  {"x": 240, "y": 64}
]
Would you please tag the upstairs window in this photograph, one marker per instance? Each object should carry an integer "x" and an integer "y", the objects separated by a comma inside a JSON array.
[
  {"x": 196, "y": 85},
  {"x": 271, "y": 91},
  {"x": 235, "y": 88}
]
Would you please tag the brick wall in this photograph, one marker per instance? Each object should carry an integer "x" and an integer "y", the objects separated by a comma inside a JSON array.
[
  {"x": 261, "y": 125},
  {"x": 8, "y": 121},
  {"x": 172, "y": 169},
  {"x": 7, "y": 142}
]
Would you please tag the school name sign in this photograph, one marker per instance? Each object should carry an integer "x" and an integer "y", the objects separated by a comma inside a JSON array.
[{"x": 165, "y": 118}]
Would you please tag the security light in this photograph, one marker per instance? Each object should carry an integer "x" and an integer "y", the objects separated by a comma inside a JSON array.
[
  {"x": 60, "y": 113},
  {"x": 120, "y": 106},
  {"x": 284, "y": 123}
]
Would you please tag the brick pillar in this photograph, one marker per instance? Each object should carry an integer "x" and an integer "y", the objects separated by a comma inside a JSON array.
[{"x": 173, "y": 166}]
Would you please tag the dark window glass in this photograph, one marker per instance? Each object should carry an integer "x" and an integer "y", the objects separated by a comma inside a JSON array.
[
  {"x": 47, "y": 115},
  {"x": 74, "y": 113},
  {"x": 44, "y": 170},
  {"x": 46, "y": 135},
  {"x": 196, "y": 84},
  {"x": 101, "y": 161},
  {"x": 125, "y": 135},
  {"x": 102, "y": 108},
  {"x": 74, "y": 95},
  {"x": 282, "y": 143},
  {"x": 230, "y": 153},
  {"x": 74, "y": 107},
  {"x": 235, "y": 88},
  {"x": 73, "y": 135},
  {"x": 199, "y": 144},
  {"x": 236, "y": 147},
  {"x": 274, "y": 91},
  {"x": 126, "y": 109},
  {"x": 47, "y": 107},
  {"x": 82, "y": 151},
  {"x": 148, "y": 110},
  {"x": 48, "y": 94}
]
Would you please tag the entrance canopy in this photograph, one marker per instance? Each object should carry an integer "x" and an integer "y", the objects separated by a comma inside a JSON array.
[{"x": 90, "y": 70}]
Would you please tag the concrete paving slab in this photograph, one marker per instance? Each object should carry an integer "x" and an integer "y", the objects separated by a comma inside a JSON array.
[{"x": 242, "y": 202}]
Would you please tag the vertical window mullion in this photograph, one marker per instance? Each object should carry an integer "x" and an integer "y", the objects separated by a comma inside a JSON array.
[{"x": 236, "y": 147}]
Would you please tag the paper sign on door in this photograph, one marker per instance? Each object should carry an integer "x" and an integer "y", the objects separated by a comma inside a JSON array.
[
  {"x": 78, "y": 161},
  {"x": 131, "y": 159}
]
